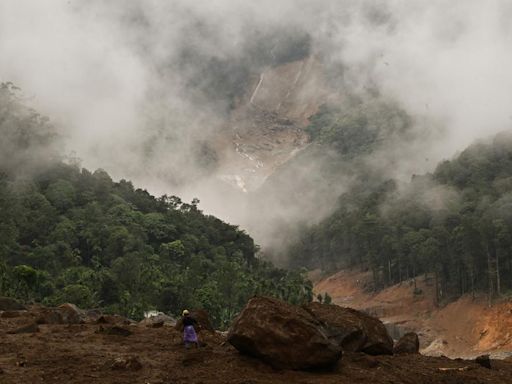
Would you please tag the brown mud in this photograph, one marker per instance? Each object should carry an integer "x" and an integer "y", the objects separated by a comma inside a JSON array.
[
  {"x": 81, "y": 353},
  {"x": 466, "y": 327}
]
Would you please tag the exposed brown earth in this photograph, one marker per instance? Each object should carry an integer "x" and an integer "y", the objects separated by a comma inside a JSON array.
[
  {"x": 81, "y": 353},
  {"x": 266, "y": 128},
  {"x": 465, "y": 328}
]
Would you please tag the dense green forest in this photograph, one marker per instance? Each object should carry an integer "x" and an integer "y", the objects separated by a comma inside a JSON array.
[
  {"x": 349, "y": 139},
  {"x": 453, "y": 226},
  {"x": 71, "y": 235}
]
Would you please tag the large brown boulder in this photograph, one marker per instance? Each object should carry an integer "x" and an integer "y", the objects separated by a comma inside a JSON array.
[
  {"x": 64, "y": 314},
  {"x": 408, "y": 344},
  {"x": 8, "y": 304},
  {"x": 203, "y": 321},
  {"x": 352, "y": 330},
  {"x": 283, "y": 335},
  {"x": 71, "y": 314}
]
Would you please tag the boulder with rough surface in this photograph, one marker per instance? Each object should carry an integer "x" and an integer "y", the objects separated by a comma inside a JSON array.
[
  {"x": 408, "y": 344},
  {"x": 158, "y": 321},
  {"x": 283, "y": 335},
  {"x": 352, "y": 330},
  {"x": 64, "y": 314},
  {"x": 8, "y": 304},
  {"x": 71, "y": 314}
]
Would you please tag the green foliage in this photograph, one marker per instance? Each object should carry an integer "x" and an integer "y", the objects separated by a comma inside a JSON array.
[
  {"x": 74, "y": 236},
  {"x": 358, "y": 126},
  {"x": 67, "y": 234},
  {"x": 29, "y": 142},
  {"x": 454, "y": 226}
]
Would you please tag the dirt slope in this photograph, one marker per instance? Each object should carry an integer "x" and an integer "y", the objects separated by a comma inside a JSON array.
[
  {"x": 266, "y": 128},
  {"x": 464, "y": 328},
  {"x": 79, "y": 354}
]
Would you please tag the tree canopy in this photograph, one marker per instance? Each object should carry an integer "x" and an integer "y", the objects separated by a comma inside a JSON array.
[
  {"x": 71, "y": 235},
  {"x": 454, "y": 225}
]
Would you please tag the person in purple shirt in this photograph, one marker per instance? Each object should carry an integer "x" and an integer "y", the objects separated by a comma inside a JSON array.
[{"x": 189, "y": 332}]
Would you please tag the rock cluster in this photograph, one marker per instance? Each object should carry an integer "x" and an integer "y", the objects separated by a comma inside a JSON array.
[
  {"x": 312, "y": 336},
  {"x": 283, "y": 335}
]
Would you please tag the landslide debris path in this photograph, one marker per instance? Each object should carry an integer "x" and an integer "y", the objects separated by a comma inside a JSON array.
[
  {"x": 89, "y": 353},
  {"x": 464, "y": 328}
]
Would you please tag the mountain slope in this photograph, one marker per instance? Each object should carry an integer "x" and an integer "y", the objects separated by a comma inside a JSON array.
[
  {"x": 454, "y": 225},
  {"x": 71, "y": 235}
]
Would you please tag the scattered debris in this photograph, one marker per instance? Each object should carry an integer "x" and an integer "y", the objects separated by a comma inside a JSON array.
[
  {"x": 126, "y": 363},
  {"x": 114, "y": 331},
  {"x": 30, "y": 328},
  {"x": 83, "y": 354},
  {"x": 460, "y": 369}
]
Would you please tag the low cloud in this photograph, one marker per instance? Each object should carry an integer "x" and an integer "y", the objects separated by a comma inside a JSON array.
[{"x": 145, "y": 89}]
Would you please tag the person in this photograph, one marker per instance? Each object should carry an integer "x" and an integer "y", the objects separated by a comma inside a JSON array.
[{"x": 189, "y": 332}]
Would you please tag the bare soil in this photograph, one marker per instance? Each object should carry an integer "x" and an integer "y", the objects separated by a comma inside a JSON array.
[
  {"x": 465, "y": 328},
  {"x": 83, "y": 354}
]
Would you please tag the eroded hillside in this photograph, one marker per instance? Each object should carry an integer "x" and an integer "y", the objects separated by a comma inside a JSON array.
[
  {"x": 466, "y": 327},
  {"x": 266, "y": 128}
]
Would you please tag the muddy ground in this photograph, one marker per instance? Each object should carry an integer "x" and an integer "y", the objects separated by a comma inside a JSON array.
[
  {"x": 466, "y": 327},
  {"x": 85, "y": 353}
]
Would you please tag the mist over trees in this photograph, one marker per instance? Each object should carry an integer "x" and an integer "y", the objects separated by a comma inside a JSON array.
[
  {"x": 71, "y": 235},
  {"x": 146, "y": 90},
  {"x": 29, "y": 142},
  {"x": 453, "y": 226},
  {"x": 163, "y": 80}
]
